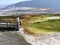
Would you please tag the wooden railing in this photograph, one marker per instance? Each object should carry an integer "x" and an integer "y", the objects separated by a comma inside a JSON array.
[{"x": 9, "y": 26}]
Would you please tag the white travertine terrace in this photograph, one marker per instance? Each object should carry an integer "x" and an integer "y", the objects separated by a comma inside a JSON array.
[
  {"x": 41, "y": 8},
  {"x": 41, "y": 39},
  {"x": 53, "y": 17}
]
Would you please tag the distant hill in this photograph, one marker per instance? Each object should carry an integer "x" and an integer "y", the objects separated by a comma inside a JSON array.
[{"x": 37, "y": 3}]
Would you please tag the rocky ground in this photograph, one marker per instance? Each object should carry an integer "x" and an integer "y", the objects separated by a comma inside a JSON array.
[
  {"x": 11, "y": 38},
  {"x": 15, "y": 38}
]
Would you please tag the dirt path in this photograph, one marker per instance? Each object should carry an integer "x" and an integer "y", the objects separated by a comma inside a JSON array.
[{"x": 11, "y": 38}]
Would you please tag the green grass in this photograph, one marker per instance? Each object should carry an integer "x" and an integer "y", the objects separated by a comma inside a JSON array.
[{"x": 52, "y": 25}]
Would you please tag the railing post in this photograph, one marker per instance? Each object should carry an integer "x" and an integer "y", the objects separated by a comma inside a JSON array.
[{"x": 17, "y": 23}]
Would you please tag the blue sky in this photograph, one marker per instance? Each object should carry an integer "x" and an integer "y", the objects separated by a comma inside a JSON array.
[{"x": 7, "y": 2}]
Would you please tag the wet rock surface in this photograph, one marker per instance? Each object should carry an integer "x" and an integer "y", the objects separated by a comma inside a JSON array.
[
  {"x": 11, "y": 38},
  {"x": 41, "y": 39}
]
